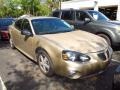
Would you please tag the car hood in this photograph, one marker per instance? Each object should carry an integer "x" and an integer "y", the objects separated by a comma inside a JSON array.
[
  {"x": 114, "y": 22},
  {"x": 77, "y": 41},
  {"x": 109, "y": 23}
]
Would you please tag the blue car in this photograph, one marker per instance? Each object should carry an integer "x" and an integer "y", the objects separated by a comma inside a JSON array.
[{"x": 4, "y": 24}]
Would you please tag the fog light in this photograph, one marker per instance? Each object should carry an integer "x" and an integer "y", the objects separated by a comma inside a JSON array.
[
  {"x": 73, "y": 75},
  {"x": 72, "y": 72}
]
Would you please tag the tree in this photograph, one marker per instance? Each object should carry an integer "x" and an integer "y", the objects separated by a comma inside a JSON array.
[
  {"x": 16, "y": 8},
  {"x": 53, "y": 4},
  {"x": 34, "y": 7}
]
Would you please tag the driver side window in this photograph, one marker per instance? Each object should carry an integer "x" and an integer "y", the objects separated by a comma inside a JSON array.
[
  {"x": 80, "y": 15},
  {"x": 26, "y": 25}
]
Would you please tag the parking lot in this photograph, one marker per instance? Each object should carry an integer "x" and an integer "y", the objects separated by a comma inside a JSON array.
[{"x": 20, "y": 73}]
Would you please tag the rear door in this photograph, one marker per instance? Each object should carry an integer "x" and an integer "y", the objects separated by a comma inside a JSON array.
[{"x": 69, "y": 16}]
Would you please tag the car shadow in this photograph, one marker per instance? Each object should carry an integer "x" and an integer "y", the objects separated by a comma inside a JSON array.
[
  {"x": 26, "y": 81},
  {"x": 23, "y": 82},
  {"x": 116, "y": 82},
  {"x": 106, "y": 81},
  {"x": 4, "y": 44},
  {"x": 116, "y": 48}
]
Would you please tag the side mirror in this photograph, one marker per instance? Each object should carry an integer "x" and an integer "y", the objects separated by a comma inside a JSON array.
[
  {"x": 26, "y": 32},
  {"x": 72, "y": 26},
  {"x": 87, "y": 20}
]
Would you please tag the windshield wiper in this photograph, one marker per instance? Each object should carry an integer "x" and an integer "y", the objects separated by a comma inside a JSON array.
[{"x": 54, "y": 32}]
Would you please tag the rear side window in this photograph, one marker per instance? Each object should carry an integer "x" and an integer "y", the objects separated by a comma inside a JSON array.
[
  {"x": 56, "y": 14},
  {"x": 67, "y": 15},
  {"x": 18, "y": 24}
]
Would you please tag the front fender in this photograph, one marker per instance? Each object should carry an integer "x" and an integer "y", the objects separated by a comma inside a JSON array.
[
  {"x": 53, "y": 50},
  {"x": 107, "y": 32}
]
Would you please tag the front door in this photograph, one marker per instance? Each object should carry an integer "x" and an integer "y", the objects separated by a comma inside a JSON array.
[
  {"x": 80, "y": 21},
  {"x": 27, "y": 41}
]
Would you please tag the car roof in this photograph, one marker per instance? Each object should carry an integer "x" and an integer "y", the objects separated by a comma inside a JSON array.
[
  {"x": 36, "y": 17},
  {"x": 72, "y": 9},
  {"x": 41, "y": 17}
]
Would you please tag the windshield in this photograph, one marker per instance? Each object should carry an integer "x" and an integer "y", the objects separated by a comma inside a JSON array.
[
  {"x": 50, "y": 26},
  {"x": 97, "y": 15}
]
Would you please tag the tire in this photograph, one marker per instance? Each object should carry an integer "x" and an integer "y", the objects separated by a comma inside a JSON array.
[
  {"x": 106, "y": 38},
  {"x": 45, "y": 63},
  {"x": 11, "y": 43}
]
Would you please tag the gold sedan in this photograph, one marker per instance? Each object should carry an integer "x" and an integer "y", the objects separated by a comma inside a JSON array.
[{"x": 58, "y": 48}]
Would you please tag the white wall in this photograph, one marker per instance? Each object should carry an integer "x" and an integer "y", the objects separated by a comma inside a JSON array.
[
  {"x": 77, "y": 4},
  {"x": 118, "y": 11}
]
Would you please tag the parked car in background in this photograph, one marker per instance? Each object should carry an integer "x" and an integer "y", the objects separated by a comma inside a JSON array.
[
  {"x": 58, "y": 48},
  {"x": 93, "y": 22},
  {"x": 4, "y": 24}
]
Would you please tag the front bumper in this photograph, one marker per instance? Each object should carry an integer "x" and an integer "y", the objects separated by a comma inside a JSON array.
[
  {"x": 96, "y": 65},
  {"x": 85, "y": 70}
]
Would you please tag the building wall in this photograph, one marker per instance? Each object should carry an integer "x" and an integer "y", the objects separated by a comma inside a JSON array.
[
  {"x": 118, "y": 11},
  {"x": 88, "y": 3}
]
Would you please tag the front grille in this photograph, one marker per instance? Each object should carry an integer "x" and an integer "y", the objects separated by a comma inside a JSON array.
[
  {"x": 108, "y": 53},
  {"x": 103, "y": 55}
]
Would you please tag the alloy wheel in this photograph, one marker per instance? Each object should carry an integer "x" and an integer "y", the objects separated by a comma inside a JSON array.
[{"x": 44, "y": 63}]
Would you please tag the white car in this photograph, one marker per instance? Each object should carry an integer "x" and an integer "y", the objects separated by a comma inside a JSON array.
[{"x": 2, "y": 85}]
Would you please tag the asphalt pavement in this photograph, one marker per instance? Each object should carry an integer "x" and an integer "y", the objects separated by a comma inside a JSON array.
[{"x": 20, "y": 73}]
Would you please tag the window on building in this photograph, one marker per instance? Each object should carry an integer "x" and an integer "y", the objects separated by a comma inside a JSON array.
[{"x": 110, "y": 12}]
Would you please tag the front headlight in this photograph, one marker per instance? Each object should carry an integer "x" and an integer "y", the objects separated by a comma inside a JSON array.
[{"x": 74, "y": 56}]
